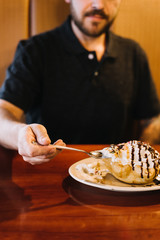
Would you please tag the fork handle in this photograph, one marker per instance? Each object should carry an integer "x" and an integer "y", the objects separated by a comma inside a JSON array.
[
  {"x": 68, "y": 148},
  {"x": 64, "y": 147}
]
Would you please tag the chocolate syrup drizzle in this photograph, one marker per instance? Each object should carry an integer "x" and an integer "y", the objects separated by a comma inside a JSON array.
[
  {"x": 147, "y": 165},
  {"x": 132, "y": 157},
  {"x": 154, "y": 155}
]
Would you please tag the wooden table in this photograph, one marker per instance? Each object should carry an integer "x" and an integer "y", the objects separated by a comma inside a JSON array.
[{"x": 44, "y": 202}]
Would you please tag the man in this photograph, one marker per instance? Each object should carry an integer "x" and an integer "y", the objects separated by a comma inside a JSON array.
[{"x": 79, "y": 82}]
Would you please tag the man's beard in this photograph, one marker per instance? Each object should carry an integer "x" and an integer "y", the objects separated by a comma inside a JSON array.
[{"x": 84, "y": 29}]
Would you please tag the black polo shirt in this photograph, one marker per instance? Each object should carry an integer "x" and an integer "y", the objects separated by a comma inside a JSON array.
[{"x": 61, "y": 85}]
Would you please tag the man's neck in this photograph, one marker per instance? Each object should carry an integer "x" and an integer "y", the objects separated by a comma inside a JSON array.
[{"x": 97, "y": 44}]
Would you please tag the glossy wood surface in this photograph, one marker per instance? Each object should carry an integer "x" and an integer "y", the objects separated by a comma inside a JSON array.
[{"x": 44, "y": 202}]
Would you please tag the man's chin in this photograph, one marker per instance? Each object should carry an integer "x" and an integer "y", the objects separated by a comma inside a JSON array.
[
  {"x": 94, "y": 32},
  {"x": 92, "y": 29}
]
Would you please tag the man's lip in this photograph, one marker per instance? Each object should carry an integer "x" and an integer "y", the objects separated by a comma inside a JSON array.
[{"x": 98, "y": 17}]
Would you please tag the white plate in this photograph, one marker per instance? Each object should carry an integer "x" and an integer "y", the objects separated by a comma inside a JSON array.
[{"x": 111, "y": 183}]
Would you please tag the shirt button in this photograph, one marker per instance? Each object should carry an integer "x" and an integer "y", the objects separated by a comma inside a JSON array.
[
  {"x": 90, "y": 56},
  {"x": 96, "y": 73}
]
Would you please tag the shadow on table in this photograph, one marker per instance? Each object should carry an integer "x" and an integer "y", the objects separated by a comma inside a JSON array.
[
  {"x": 13, "y": 201},
  {"x": 88, "y": 195},
  {"x": 6, "y": 158},
  {"x": 12, "y": 198}
]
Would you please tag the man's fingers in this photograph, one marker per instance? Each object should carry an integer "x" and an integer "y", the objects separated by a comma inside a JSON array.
[
  {"x": 41, "y": 134},
  {"x": 36, "y": 160},
  {"x": 39, "y": 150},
  {"x": 34, "y": 144},
  {"x": 59, "y": 142}
]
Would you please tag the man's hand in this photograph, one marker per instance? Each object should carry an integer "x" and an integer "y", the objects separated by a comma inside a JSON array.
[{"x": 40, "y": 152}]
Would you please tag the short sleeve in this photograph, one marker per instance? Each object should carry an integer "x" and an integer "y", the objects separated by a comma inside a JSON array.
[{"x": 23, "y": 78}]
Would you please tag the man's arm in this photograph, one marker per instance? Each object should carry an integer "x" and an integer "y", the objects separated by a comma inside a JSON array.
[
  {"x": 16, "y": 134},
  {"x": 151, "y": 130}
]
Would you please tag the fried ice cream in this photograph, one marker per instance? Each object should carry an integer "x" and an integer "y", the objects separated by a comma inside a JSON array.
[{"x": 132, "y": 162}]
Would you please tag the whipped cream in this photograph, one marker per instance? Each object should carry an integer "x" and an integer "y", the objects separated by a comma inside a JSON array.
[{"x": 132, "y": 153}]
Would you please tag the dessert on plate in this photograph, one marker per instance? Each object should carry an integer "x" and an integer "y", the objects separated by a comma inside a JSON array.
[{"x": 131, "y": 162}]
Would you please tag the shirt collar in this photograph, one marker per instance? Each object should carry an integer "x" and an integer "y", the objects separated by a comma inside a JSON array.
[{"x": 72, "y": 45}]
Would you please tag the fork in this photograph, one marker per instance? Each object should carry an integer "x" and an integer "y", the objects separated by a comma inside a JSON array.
[{"x": 94, "y": 154}]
